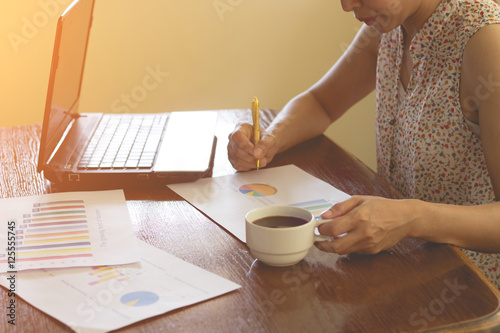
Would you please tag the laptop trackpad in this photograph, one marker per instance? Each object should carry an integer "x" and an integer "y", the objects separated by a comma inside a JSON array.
[{"x": 187, "y": 144}]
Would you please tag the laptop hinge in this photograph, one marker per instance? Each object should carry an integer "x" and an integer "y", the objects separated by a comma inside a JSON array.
[
  {"x": 74, "y": 115},
  {"x": 63, "y": 137}
]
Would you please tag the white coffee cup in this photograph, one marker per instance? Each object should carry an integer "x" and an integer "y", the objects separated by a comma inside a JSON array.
[{"x": 285, "y": 245}]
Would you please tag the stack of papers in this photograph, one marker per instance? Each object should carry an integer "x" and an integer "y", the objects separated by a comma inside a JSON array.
[
  {"x": 78, "y": 250},
  {"x": 75, "y": 257}
]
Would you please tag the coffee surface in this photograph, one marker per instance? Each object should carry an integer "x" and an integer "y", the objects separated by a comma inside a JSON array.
[{"x": 280, "y": 221}]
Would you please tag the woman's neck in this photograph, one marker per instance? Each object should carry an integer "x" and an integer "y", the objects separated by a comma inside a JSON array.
[{"x": 423, "y": 10}]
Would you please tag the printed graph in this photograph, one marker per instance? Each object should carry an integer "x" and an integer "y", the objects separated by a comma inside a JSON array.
[
  {"x": 101, "y": 274},
  {"x": 257, "y": 190},
  {"x": 53, "y": 230},
  {"x": 139, "y": 298},
  {"x": 316, "y": 207}
]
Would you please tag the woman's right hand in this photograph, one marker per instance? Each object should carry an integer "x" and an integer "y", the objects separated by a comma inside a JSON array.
[{"x": 242, "y": 152}]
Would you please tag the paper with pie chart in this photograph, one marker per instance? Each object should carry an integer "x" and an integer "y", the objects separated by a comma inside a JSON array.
[
  {"x": 227, "y": 199},
  {"x": 105, "y": 298}
]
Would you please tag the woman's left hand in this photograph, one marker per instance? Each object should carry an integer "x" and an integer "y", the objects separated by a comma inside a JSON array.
[{"x": 367, "y": 225}]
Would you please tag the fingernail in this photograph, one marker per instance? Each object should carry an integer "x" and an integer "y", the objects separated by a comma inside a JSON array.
[{"x": 327, "y": 214}]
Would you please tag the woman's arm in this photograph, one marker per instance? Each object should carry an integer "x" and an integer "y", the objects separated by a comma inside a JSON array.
[
  {"x": 480, "y": 83},
  {"x": 310, "y": 113},
  {"x": 346, "y": 83},
  {"x": 477, "y": 227},
  {"x": 374, "y": 224},
  {"x": 371, "y": 224}
]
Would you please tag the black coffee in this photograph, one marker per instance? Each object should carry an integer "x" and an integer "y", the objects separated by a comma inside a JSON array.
[{"x": 280, "y": 221}]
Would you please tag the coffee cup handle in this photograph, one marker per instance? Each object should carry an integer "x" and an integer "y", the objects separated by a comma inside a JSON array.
[{"x": 321, "y": 238}]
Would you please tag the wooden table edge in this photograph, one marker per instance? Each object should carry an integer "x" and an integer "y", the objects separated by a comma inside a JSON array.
[{"x": 487, "y": 323}]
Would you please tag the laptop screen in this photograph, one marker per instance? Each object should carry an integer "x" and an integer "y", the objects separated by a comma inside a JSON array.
[{"x": 68, "y": 62}]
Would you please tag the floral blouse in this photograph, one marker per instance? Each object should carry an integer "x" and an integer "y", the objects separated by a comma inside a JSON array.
[{"x": 426, "y": 146}]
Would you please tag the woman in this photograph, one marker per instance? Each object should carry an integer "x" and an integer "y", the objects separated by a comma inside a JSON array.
[{"x": 434, "y": 65}]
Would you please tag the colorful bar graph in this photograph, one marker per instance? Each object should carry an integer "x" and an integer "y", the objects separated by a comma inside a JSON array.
[
  {"x": 106, "y": 273},
  {"x": 72, "y": 256},
  {"x": 316, "y": 207},
  {"x": 52, "y": 223},
  {"x": 56, "y": 207},
  {"x": 52, "y": 240},
  {"x": 53, "y": 203},
  {"x": 53, "y": 230}
]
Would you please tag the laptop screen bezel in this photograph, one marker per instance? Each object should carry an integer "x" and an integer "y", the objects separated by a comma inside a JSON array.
[{"x": 53, "y": 133}]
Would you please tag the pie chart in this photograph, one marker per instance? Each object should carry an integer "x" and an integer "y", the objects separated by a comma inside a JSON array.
[
  {"x": 139, "y": 298},
  {"x": 258, "y": 190}
]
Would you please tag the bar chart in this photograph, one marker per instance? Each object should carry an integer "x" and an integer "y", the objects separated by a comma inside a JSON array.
[
  {"x": 101, "y": 274},
  {"x": 54, "y": 230},
  {"x": 67, "y": 229},
  {"x": 316, "y": 207}
]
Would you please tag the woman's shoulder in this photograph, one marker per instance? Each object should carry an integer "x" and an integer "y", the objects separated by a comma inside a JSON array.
[{"x": 477, "y": 12}]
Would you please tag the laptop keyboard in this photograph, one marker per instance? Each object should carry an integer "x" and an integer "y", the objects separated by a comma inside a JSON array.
[{"x": 124, "y": 142}]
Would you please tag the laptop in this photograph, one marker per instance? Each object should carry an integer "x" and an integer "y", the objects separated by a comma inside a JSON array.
[{"x": 112, "y": 150}]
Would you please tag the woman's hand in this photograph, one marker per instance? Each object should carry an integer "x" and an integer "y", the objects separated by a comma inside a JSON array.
[
  {"x": 367, "y": 225},
  {"x": 242, "y": 152}
]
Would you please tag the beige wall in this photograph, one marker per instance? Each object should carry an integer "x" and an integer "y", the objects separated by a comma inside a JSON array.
[{"x": 207, "y": 54}]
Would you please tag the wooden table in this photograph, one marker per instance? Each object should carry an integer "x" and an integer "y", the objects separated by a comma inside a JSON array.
[{"x": 417, "y": 285}]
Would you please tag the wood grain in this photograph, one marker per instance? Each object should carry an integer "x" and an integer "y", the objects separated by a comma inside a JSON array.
[{"x": 416, "y": 285}]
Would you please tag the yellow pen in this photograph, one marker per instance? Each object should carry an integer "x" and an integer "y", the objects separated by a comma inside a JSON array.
[{"x": 256, "y": 123}]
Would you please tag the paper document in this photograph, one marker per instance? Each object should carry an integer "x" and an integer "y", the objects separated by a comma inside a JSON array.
[
  {"x": 227, "y": 199},
  {"x": 66, "y": 230},
  {"x": 105, "y": 298}
]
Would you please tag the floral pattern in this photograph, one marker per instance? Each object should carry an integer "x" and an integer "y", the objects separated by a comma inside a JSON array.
[{"x": 425, "y": 147}]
